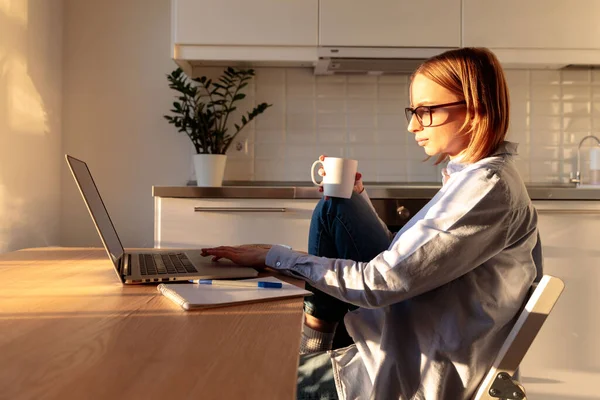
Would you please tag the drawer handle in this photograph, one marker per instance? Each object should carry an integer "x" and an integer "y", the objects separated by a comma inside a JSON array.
[
  {"x": 562, "y": 211},
  {"x": 239, "y": 209}
]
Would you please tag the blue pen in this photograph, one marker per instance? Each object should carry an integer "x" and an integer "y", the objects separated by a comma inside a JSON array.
[{"x": 260, "y": 284}]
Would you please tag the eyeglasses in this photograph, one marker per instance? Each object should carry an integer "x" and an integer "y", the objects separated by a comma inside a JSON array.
[{"x": 423, "y": 113}]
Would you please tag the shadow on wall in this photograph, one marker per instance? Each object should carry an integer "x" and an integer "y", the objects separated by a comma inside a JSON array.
[{"x": 30, "y": 96}]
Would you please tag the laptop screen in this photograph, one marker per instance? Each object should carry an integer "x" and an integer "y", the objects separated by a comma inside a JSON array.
[{"x": 96, "y": 207}]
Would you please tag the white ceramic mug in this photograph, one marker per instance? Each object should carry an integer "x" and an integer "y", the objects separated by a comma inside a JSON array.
[{"x": 340, "y": 175}]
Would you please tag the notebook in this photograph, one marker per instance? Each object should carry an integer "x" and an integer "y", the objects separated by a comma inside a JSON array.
[{"x": 192, "y": 296}]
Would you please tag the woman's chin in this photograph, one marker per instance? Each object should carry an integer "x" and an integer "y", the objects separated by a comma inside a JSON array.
[{"x": 430, "y": 152}]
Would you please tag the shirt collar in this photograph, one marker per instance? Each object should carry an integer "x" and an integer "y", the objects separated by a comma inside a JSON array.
[{"x": 453, "y": 166}]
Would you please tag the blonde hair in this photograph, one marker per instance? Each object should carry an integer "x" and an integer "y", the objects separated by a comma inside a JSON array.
[{"x": 475, "y": 75}]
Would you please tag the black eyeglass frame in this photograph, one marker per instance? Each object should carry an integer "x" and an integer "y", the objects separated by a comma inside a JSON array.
[{"x": 413, "y": 111}]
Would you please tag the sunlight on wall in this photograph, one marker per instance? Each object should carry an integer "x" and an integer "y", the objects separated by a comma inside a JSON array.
[
  {"x": 23, "y": 104},
  {"x": 25, "y": 108},
  {"x": 12, "y": 215},
  {"x": 30, "y": 35},
  {"x": 15, "y": 9}
]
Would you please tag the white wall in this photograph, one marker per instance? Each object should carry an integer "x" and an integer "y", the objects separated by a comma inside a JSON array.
[
  {"x": 30, "y": 122},
  {"x": 116, "y": 56}
]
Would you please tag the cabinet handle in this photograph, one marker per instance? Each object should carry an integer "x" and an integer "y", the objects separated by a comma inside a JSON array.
[
  {"x": 563, "y": 211},
  {"x": 239, "y": 209}
]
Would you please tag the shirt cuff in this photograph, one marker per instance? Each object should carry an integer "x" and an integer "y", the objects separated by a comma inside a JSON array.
[{"x": 280, "y": 257}]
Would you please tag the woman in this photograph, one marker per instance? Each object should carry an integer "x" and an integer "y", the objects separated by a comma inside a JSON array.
[{"x": 436, "y": 301}]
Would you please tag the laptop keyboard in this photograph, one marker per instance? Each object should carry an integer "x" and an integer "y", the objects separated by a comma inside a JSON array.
[{"x": 171, "y": 263}]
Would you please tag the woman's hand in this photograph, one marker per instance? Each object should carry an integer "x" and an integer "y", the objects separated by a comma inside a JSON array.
[
  {"x": 358, "y": 184},
  {"x": 248, "y": 255}
]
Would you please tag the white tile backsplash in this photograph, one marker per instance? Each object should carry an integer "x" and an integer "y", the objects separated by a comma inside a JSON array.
[
  {"x": 362, "y": 135},
  {"x": 576, "y": 77},
  {"x": 544, "y": 77},
  {"x": 363, "y": 117},
  {"x": 362, "y": 90},
  {"x": 331, "y": 135},
  {"x": 331, "y": 120},
  {"x": 545, "y": 92},
  {"x": 577, "y": 124},
  {"x": 572, "y": 108},
  {"x": 576, "y": 93},
  {"x": 295, "y": 137},
  {"x": 541, "y": 108},
  {"x": 300, "y": 122},
  {"x": 392, "y": 91}
]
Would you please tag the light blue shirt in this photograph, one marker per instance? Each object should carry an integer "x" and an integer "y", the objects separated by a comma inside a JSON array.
[{"x": 437, "y": 305}]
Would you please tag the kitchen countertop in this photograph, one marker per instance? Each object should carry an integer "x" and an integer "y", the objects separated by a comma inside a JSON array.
[{"x": 386, "y": 190}]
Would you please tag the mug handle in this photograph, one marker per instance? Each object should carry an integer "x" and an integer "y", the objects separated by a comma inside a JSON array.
[{"x": 312, "y": 173}]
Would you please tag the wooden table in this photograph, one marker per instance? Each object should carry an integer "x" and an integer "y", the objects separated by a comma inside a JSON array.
[{"x": 70, "y": 330}]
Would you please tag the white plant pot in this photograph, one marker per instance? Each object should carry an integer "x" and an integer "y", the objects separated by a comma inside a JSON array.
[{"x": 210, "y": 169}]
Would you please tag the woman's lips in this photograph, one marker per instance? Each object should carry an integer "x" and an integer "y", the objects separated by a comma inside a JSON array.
[{"x": 422, "y": 142}]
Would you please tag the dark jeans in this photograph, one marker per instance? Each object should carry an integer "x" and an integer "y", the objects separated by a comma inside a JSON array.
[
  {"x": 339, "y": 228},
  {"x": 347, "y": 229}
]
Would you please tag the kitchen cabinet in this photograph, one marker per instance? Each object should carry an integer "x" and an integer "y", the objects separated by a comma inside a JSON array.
[
  {"x": 532, "y": 24},
  {"x": 564, "y": 359},
  {"x": 389, "y": 23},
  {"x": 201, "y": 222},
  {"x": 245, "y": 23}
]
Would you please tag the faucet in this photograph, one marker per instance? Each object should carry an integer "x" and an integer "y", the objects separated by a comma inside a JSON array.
[{"x": 577, "y": 179}]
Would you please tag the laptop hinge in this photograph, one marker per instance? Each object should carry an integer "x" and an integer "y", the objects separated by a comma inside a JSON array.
[{"x": 125, "y": 265}]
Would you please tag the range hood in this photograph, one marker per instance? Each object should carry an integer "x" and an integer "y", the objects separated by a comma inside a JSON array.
[
  {"x": 404, "y": 60},
  {"x": 372, "y": 60}
]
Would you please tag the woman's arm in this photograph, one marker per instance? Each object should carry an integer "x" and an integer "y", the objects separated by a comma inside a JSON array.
[{"x": 467, "y": 226}]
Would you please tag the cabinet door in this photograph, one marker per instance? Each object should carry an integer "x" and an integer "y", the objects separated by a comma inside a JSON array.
[
  {"x": 243, "y": 22},
  {"x": 400, "y": 23},
  {"x": 541, "y": 24},
  {"x": 211, "y": 222},
  {"x": 565, "y": 355}
]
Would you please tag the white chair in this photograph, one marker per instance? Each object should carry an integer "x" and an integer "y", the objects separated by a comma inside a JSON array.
[{"x": 498, "y": 382}]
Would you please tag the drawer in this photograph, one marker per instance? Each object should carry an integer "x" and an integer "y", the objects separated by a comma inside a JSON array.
[{"x": 194, "y": 223}]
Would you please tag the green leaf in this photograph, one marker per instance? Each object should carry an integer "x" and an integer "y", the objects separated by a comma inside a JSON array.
[
  {"x": 219, "y": 86},
  {"x": 202, "y": 107}
]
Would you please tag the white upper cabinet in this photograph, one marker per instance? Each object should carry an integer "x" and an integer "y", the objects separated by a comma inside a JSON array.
[
  {"x": 245, "y": 22},
  {"x": 390, "y": 23},
  {"x": 532, "y": 24}
]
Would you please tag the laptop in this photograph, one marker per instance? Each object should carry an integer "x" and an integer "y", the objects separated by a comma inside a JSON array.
[{"x": 147, "y": 265}]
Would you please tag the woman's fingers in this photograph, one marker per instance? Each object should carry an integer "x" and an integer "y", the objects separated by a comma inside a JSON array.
[
  {"x": 248, "y": 255},
  {"x": 358, "y": 185},
  {"x": 321, "y": 171},
  {"x": 220, "y": 252},
  {"x": 322, "y": 157}
]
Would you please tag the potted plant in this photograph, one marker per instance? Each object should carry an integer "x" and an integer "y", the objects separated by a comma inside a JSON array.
[{"x": 201, "y": 111}]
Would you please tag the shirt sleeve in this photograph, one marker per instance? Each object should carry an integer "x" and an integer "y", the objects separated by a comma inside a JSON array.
[{"x": 467, "y": 226}]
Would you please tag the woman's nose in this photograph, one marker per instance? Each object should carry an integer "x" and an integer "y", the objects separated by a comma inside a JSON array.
[{"x": 414, "y": 125}]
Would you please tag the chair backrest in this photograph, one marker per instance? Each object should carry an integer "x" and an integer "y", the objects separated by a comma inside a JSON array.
[{"x": 521, "y": 336}]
